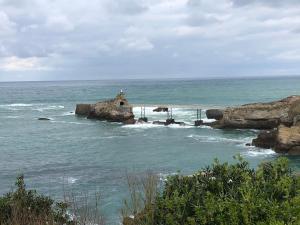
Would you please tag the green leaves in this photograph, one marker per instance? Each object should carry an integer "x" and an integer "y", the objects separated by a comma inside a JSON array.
[{"x": 224, "y": 194}]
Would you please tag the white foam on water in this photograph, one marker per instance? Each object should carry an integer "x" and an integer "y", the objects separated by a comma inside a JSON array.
[
  {"x": 204, "y": 138},
  {"x": 186, "y": 115},
  {"x": 11, "y": 117},
  {"x": 50, "y": 107},
  {"x": 71, "y": 180},
  {"x": 142, "y": 126},
  {"x": 66, "y": 122},
  {"x": 254, "y": 152},
  {"x": 68, "y": 114},
  {"x": 16, "y": 105}
]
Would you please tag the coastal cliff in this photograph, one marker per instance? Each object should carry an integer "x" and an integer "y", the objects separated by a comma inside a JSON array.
[
  {"x": 261, "y": 115},
  {"x": 279, "y": 120},
  {"x": 114, "y": 110}
]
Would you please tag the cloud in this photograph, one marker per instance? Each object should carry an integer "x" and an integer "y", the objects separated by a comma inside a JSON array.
[
  {"x": 21, "y": 64},
  {"x": 273, "y": 3},
  {"x": 102, "y": 38},
  {"x": 140, "y": 44}
]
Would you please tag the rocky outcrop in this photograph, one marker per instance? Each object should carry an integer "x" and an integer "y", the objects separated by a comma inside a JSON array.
[
  {"x": 161, "y": 109},
  {"x": 114, "y": 110},
  {"x": 283, "y": 140},
  {"x": 265, "y": 139},
  {"x": 288, "y": 140},
  {"x": 261, "y": 115},
  {"x": 83, "y": 109},
  {"x": 216, "y": 114}
]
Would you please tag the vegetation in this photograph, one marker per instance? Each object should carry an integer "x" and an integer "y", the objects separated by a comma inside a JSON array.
[
  {"x": 27, "y": 207},
  {"x": 227, "y": 194},
  {"x": 221, "y": 194}
]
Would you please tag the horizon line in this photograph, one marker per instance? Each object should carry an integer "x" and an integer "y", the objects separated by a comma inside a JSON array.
[{"x": 166, "y": 78}]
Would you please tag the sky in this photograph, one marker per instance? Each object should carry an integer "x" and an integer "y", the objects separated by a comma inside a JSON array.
[{"x": 119, "y": 39}]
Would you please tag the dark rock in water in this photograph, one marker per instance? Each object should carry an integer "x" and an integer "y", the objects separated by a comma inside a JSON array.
[
  {"x": 265, "y": 139},
  {"x": 143, "y": 120},
  {"x": 158, "y": 123},
  {"x": 283, "y": 140},
  {"x": 114, "y": 110},
  {"x": 161, "y": 109},
  {"x": 130, "y": 121},
  {"x": 248, "y": 144},
  {"x": 198, "y": 123},
  {"x": 216, "y": 114},
  {"x": 261, "y": 115},
  {"x": 83, "y": 109},
  {"x": 42, "y": 118},
  {"x": 169, "y": 121}
]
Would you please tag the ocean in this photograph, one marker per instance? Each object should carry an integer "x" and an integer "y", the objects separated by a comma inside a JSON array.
[{"x": 70, "y": 152}]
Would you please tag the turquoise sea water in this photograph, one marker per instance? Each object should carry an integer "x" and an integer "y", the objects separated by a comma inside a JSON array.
[{"x": 81, "y": 155}]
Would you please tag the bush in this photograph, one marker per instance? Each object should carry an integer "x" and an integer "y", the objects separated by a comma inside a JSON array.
[
  {"x": 228, "y": 194},
  {"x": 23, "y": 207}
]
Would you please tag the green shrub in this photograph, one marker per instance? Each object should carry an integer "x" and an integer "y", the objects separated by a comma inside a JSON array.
[
  {"x": 224, "y": 194},
  {"x": 23, "y": 207}
]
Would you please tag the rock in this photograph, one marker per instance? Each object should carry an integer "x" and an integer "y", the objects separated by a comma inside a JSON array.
[
  {"x": 283, "y": 140},
  {"x": 248, "y": 144},
  {"x": 261, "y": 115},
  {"x": 296, "y": 120},
  {"x": 130, "y": 121},
  {"x": 114, "y": 110},
  {"x": 216, "y": 114},
  {"x": 143, "y": 120},
  {"x": 198, "y": 123},
  {"x": 42, "y": 118},
  {"x": 288, "y": 139},
  {"x": 161, "y": 109},
  {"x": 265, "y": 139},
  {"x": 83, "y": 109},
  {"x": 294, "y": 151}
]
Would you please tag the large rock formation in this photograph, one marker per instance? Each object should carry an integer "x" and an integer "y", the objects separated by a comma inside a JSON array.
[
  {"x": 216, "y": 114},
  {"x": 282, "y": 140},
  {"x": 114, "y": 110},
  {"x": 261, "y": 115}
]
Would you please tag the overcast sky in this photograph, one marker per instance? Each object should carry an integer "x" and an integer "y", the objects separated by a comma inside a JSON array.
[{"x": 117, "y": 39}]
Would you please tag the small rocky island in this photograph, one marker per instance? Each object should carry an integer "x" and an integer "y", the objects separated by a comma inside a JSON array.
[
  {"x": 113, "y": 110},
  {"x": 278, "y": 120}
]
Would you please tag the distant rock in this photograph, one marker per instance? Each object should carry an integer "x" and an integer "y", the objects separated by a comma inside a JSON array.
[
  {"x": 43, "y": 118},
  {"x": 261, "y": 115},
  {"x": 216, "y": 114},
  {"x": 265, "y": 139},
  {"x": 83, "y": 109},
  {"x": 114, "y": 110},
  {"x": 161, "y": 109}
]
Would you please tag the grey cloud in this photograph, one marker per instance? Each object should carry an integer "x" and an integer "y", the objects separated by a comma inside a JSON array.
[
  {"x": 274, "y": 3},
  {"x": 106, "y": 38},
  {"x": 126, "y": 7}
]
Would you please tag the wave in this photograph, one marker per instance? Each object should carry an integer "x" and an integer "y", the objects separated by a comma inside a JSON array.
[
  {"x": 11, "y": 117},
  {"x": 16, "y": 105},
  {"x": 77, "y": 123},
  {"x": 205, "y": 138},
  {"x": 68, "y": 114},
  {"x": 259, "y": 152},
  {"x": 36, "y": 107},
  {"x": 50, "y": 107},
  {"x": 72, "y": 180}
]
